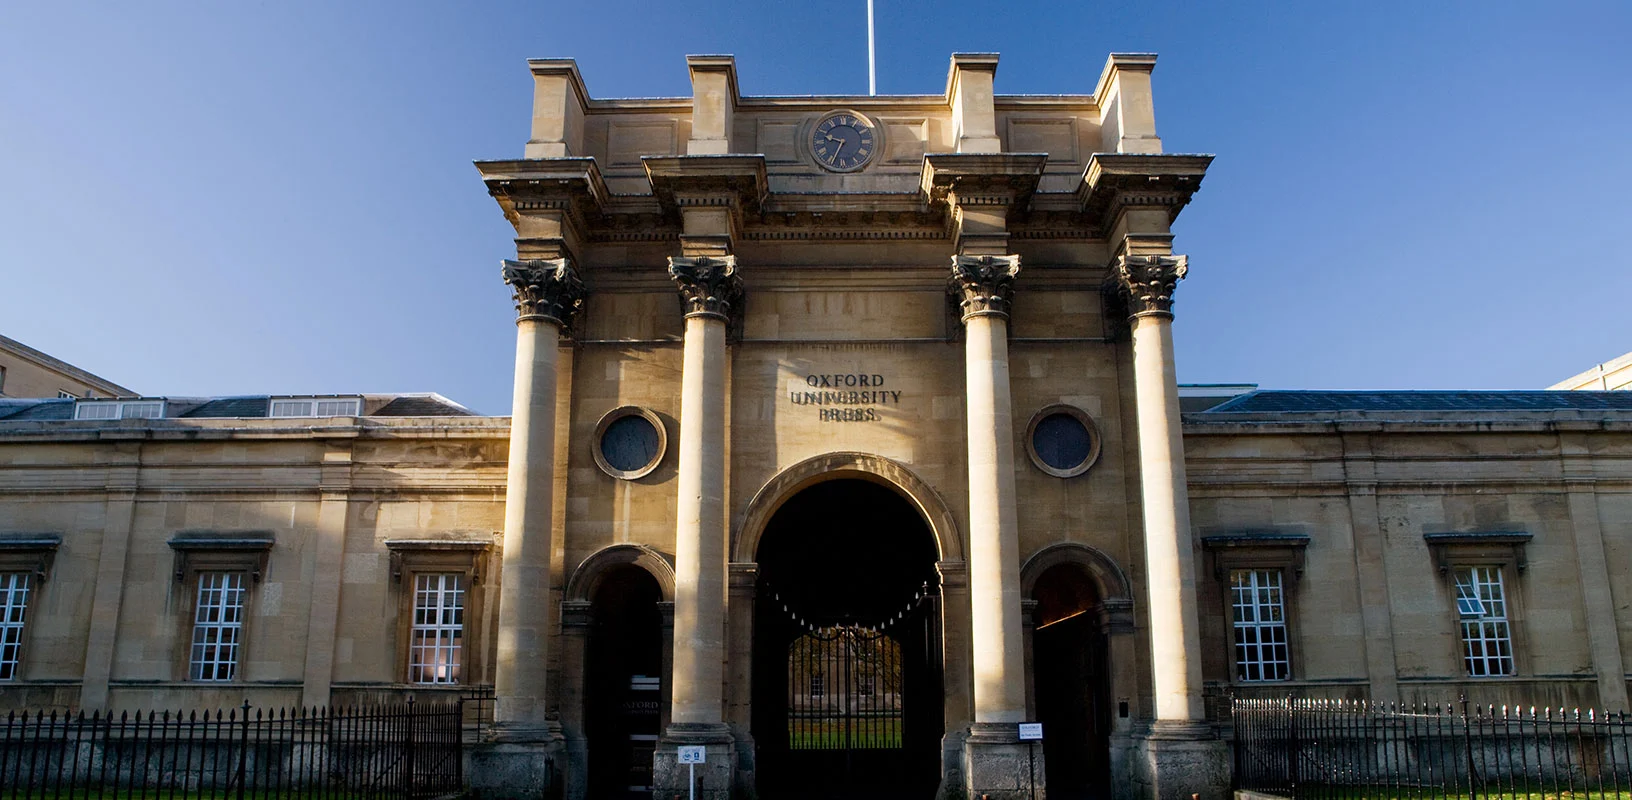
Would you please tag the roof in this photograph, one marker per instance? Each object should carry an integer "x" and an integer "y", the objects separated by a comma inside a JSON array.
[
  {"x": 1279, "y": 401},
  {"x": 426, "y": 404}
]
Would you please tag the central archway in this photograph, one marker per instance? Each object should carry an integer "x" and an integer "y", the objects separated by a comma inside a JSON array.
[{"x": 847, "y": 688}]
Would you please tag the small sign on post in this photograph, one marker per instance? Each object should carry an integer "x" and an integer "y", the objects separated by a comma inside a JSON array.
[
  {"x": 1031, "y": 733},
  {"x": 691, "y": 755}
]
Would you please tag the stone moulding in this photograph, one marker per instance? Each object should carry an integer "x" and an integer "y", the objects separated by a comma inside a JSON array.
[
  {"x": 34, "y": 553},
  {"x": 1448, "y": 549},
  {"x": 1243, "y": 549},
  {"x": 210, "y": 550}
]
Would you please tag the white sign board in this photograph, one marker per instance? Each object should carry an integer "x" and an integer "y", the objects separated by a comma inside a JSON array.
[
  {"x": 693, "y": 754},
  {"x": 1031, "y": 731}
]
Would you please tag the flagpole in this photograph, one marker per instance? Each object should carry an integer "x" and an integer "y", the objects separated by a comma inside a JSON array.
[{"x": 872, "y": 73}]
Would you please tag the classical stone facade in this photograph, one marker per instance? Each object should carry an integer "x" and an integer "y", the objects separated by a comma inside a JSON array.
[{"x": 846, "y": 440}]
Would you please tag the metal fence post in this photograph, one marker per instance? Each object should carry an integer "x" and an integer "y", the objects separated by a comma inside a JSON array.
[
  {"x": 243, "y": 747},
  {"x": 408, "y": 772}
]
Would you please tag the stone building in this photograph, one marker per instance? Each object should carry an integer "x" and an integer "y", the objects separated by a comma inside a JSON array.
[
  {"x": 846, "y": 439},
  {"x": 26, "y": 372}
]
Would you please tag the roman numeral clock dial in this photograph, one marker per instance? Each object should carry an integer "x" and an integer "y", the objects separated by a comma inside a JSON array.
[{"x": 843, "y": 141}]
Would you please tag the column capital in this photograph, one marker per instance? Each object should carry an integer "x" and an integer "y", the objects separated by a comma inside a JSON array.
[
  {"x": 984, "y": 285},
  {"x": 709, "y": 285},
  {"x": 545, "y": 288},
  {"x": 1148, "y": 282}
]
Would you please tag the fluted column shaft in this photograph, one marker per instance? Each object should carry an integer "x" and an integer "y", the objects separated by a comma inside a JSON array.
[
  {"x": 984, "y": 285},
  {"x": 1175, "y": 639},
  {"x": 547, "y": 294},
  {"x": 708, "y": 288}
]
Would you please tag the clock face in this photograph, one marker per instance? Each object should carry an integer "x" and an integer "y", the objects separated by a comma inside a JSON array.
[{"x": 842, "y": 142}]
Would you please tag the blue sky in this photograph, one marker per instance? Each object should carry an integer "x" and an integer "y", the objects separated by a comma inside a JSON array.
[{"x": 224, "y": 198}]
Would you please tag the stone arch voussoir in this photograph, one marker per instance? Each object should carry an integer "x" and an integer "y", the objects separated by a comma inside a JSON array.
[
  {"x": 836, "y": 466},
  {"x": 589, "y": 574}
]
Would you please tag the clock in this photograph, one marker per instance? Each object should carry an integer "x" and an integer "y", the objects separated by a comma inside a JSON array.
[{"x": 843, "y": 141}]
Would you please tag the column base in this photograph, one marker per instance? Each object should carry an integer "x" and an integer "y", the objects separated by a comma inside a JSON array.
[
  {"x": 517, "y": 762},
  {"x": 671, "y": 780},
  {"x": 998, "y": 766},
  {"x": 1178, "y": 760}
]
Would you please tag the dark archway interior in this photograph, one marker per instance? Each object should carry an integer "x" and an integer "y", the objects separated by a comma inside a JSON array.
[
  {"x": 847, "y": 568},
  {"x": 1072, "y": 684},
  {"x": 623, "y": 700}
]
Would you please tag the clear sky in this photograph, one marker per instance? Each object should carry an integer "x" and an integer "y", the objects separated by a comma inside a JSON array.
[{"x": 277, "y": 197}]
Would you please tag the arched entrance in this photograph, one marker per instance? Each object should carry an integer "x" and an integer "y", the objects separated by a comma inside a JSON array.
[
  {"x": 847, "y": 686},
  {"x": 1080, "y": 612},
  {"x": 623, "y": 683}
]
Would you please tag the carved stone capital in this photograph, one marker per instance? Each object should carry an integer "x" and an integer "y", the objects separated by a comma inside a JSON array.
[
  {"x": 1148, "y": 282},
  {"x": 709, "y": 285},
  {"x": 546, "y": 288},
  {"x": 983, "y": 285}
]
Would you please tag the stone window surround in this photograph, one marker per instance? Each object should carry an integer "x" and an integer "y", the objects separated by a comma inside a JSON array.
[
  {"x": 617, "y": 414},
  {"x": 1228, "y": 551},
  {"x": 215, "y": 551},
  {"x": 1504, "y": 549},
  {"x": 1081, "y": 416},
  {"x": 467, "y": 556},
  {"x": 35, "y": 554}
]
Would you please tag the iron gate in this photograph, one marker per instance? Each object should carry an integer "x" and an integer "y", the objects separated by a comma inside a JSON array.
[{"x": 844, "y": 690}]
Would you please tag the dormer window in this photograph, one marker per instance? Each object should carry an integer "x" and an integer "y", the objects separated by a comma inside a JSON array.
[
  {"x": 316, "y": 407},
  {"x": 119, "y": 409}
]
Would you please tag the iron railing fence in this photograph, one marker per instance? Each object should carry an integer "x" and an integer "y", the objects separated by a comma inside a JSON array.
[
  {"x": 395, "y": 752},
  {"x": 1358, "y": 749}
]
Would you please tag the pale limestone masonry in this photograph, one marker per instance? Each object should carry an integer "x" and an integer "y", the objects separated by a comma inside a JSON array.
[
  {"x": 26, "y": 372},
  {"x": 713, "y": 328}
]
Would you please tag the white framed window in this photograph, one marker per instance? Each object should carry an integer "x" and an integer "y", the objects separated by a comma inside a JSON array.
[
  {"x": 1259, "y": 612},
  {"x": 119, "y": 409},
  {"x": 1481, "y": 605},
  {"x": 14, "y": 588},
  {"x": 315, "y": 407},
  {"x": 218, "y": 626},
  {"x": 818, "y": 685},
  {"x": 436, "y": 643}
]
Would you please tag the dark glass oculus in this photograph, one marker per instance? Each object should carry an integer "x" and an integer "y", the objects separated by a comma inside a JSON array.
[
  {"x": 1062, "y": 441},
  {"x": 843, "y": 142},
  {"x": 630, "y": 443}
]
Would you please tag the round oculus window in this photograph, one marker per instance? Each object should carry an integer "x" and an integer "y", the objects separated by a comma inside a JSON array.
[
  {"x": 629, "y": 442},
  {"x": 1063, "y": 441}
]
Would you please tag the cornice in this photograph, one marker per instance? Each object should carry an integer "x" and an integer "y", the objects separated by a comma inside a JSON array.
[
  {"x": 1112, "y": 181},
  {"x": 573, "y": 186},
  {"x": 981, "y": 178},
  {"x": 736, "y": 181}
]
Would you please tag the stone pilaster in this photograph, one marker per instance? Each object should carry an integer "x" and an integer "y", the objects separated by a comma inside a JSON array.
[
  {"x": 324, "y": 618},
  {"x": 1182, "y": 756},
  {"x": 710, "y": 291},
  {"x": 521, "y": 761}
]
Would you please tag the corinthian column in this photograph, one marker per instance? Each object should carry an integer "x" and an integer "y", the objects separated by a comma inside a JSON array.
[
  {"x": 984, "y": 285},
  {"x": 709, "y": 290},
  {"x": 547, "y": 294},
  {"x": 1175, "y": 641}
]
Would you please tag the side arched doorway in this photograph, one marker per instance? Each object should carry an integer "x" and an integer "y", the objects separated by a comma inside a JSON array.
[
  {"x": 847, "y": 687},
  {"x": 1079, "y": 609},
  {"x": 617, "y": 626},
  {"x": 623, "y": 684}
]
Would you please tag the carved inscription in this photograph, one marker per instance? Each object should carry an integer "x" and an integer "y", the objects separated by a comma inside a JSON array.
[{"x": 844, "y": 396}]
